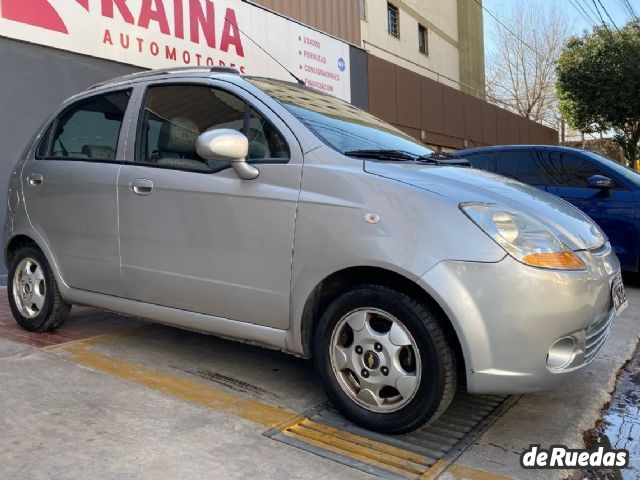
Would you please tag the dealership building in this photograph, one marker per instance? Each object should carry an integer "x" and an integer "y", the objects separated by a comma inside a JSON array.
[{"x": 417, "y": 64}]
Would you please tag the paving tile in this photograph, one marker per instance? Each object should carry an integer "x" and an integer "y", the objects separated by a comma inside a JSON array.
[{"x": 82, "y": 323}]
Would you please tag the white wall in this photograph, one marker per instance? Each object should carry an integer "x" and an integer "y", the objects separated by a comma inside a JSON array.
[{"x": 443, "y": 54}]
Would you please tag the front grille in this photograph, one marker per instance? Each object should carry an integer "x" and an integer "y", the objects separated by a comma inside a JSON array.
[{"x": 596, "y": 336}]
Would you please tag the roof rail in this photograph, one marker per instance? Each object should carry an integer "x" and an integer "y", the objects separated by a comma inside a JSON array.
[
  {"x": 230, "y": 70},
  {"x": 165, "y": 71}
]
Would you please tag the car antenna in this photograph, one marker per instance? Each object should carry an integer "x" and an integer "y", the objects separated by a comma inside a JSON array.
[{"x": 298, "y": 79}]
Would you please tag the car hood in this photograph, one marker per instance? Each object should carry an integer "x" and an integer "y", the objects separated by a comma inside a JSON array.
[{"x": 569, "y": 224}]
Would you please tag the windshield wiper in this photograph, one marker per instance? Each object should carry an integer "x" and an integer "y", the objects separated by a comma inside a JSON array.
[
  {"x": 450, "y": 159},
  {"x": 382, "y": 154},
  {"x": 435, "y": 158}
]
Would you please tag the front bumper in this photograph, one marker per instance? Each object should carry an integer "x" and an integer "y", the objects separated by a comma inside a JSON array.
[{"x": 507, "y": 316}]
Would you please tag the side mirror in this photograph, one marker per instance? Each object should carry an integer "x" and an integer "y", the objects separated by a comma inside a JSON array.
[
  {"x": 228, "y": 145},
  {"x": 600, "y": 182}
]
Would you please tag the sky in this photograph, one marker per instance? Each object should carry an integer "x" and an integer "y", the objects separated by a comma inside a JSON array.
[{"x": 576, "y": 22}]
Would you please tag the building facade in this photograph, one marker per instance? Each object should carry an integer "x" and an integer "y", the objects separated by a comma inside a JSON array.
[
  {"x": 424, "y": 64},
  {"x": 426, "y": 37},
  {"x": 441, "y": 40}
]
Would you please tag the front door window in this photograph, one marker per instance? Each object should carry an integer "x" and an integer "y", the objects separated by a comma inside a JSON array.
[{"x": 175, "y": 116}]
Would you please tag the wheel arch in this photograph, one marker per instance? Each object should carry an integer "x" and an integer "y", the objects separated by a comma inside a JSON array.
[
  {"x": 331, "y": 286},
  {"x": 14, "y": 244},
  {"x": 30, "y": 238}
]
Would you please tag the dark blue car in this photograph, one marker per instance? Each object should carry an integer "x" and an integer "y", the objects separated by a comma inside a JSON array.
[{"x": 602, "y": 188}]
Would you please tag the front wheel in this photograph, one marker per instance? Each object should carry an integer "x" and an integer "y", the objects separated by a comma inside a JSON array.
[
  {"x": 384, "y": 359},
  {"x": 34, "y": 297}
]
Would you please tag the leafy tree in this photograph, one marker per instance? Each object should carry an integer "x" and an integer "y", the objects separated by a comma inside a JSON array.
[{"x": 598, "y": 84}]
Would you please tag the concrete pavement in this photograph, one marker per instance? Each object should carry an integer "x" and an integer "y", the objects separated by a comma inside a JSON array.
[
  {"x": 62, "y": 421},
  {"x": 127, "y": 399}
]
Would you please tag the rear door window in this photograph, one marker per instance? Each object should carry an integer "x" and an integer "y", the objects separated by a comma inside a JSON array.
[
  {"x": 526, "y": 166},
  {"x": 88, "y": 130}
]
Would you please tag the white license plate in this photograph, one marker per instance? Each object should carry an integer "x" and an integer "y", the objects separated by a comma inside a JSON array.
[{"x": 618, "y": 295}]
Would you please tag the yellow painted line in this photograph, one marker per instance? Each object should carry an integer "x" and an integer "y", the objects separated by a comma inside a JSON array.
[
  {"x": 349, "y": 449},
  {"x": 467, "y": 473},
  {"x": 435, "y": 471},
  {"x": 178, "y": 387},
  {"x": 355, "y": 456},
  {"x": 367, "y": 444}
]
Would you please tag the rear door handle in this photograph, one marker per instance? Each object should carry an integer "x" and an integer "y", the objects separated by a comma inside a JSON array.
[
  {"x": 35, "y": 179},
  {"x": 141, "y": 186}
]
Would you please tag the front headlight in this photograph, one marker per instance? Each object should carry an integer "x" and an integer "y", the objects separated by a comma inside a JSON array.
[{"x": 523, "y": 237}]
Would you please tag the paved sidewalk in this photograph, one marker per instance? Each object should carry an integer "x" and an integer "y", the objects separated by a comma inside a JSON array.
[{"x": 110, "y": 397}]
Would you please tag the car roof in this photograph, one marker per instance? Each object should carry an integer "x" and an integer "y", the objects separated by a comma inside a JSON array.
[
  {"x": 159, "y": 74},
  {"x": 179, "y": 73},
  {"x": 511, "y": 148}
]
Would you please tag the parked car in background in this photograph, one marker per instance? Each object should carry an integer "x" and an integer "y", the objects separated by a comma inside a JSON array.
[
  {"x": 268, "y": 212},
  {"x": 604, "y": 189}
]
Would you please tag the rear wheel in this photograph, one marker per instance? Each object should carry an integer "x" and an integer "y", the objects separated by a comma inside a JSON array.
[
  {"x": 34, "y": 297},
  {"x": 384, "y": 359}
]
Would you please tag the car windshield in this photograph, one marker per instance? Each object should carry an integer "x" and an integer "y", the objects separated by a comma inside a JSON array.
[
  {"x": 620, "y": 169},
  {"x": 339, "y": 124}
]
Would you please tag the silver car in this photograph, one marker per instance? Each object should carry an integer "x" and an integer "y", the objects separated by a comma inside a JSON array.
[{"x": 267, "y": 212}]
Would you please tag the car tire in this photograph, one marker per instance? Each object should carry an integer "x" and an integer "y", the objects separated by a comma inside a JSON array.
[
  {"x": 34, "y": 297},
  {"x": 400, "y": 334}
]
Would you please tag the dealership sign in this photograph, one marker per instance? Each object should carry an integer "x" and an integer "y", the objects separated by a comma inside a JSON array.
[{"x": 165, "y": 33}]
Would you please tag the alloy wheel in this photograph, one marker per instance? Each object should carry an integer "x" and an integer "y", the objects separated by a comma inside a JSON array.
[
  {"x": 29, "y": 288},
  {"x": 375, "y": 360}
]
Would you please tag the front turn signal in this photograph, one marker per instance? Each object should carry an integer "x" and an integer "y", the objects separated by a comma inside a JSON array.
[{"x": 556, "y": 260}]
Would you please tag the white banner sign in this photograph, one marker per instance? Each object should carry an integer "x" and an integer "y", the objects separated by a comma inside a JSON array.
[{"x": 165, "y": 33}]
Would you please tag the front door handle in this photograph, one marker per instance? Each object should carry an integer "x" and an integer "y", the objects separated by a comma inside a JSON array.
[
  {"x": 141, "y": 186},
  {"x": 35, "y": 179}
]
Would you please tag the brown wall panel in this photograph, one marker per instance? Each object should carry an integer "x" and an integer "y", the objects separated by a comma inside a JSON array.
[
  {"x": 472, "y": 118},
  {"x": 382, "y": 88},
  {"x": 340, "y": 18},
  {"x": 408, "y": 93},
  {"x": 545, "y": 135},
  {"x": 489, "y": 124},
  {"x": 414, "y": 132},
  {"x": 443, "y": 116},
  {"x": 502, "y": 119},
  {"x": 432, "y": 106},
  {"x": 443, "y": 140},
  {"x": 513, "y": 128},
  {"x": 453, "y": 112},
  {"x": 535, "y": 135},
  {"x": 525, "y": 135}
]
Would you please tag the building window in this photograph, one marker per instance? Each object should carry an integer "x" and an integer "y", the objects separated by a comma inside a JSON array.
[
  {"x": 363, "y": 9},
  {"x": 393, "y": 20},
  {"x": 423, "y": 40}
]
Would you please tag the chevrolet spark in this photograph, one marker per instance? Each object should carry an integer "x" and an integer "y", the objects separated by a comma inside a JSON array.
[{"x": 267, "y": 212}]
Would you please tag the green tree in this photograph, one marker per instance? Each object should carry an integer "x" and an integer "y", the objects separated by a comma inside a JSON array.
[{"x": 598, "y": 84}]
